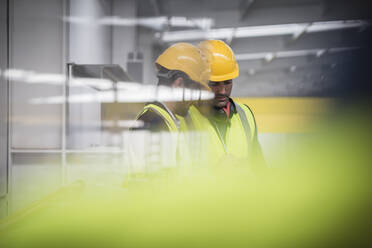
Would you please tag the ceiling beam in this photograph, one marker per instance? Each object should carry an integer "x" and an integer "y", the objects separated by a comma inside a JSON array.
[
  {"x": 156, "y": 7},
  {"x": 245, "y": 5}
]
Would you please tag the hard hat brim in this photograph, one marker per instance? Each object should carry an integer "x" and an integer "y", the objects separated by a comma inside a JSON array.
[{"x": 220, "y": 78}]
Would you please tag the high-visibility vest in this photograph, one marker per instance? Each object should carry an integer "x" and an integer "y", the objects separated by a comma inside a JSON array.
[
  {"x": 178, "y": 126},
  {"x": 241, "y": 134},
  {"x": 169, "y": 120}
]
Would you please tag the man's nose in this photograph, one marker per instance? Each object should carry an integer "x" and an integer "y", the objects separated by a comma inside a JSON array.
[{"x": 220, "y": 90}]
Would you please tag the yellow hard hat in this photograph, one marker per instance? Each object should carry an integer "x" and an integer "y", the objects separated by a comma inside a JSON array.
[
  {"x": 221, "y": 60},
  {"x": 187, "y": 58}
]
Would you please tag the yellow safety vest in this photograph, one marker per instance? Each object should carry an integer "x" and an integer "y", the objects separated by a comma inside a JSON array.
[
  {"x": 240, "y": 134},
  {"x": 178, "y": 127},
  {"x": 166, "y": 116}
]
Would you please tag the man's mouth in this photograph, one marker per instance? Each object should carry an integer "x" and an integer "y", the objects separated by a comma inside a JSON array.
[{"x": 221, "y": 98}]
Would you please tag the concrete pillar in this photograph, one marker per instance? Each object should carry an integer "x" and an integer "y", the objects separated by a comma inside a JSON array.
[
  {"x": 89, "y": 43},
  {"x": 123, "y": 37},
  {"x": 145, "y": 42}
]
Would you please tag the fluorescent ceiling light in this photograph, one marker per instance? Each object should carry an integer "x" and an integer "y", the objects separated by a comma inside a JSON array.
[
  {"x": 180, "y": 21},
  {"x": 341, "y": 49},
  {"x": 295, "y": 53},
  {"x": 268, "y": 56},
  {"x": 250, "y": 56},
  {"x": 268, "y": 30},
  {"x": 157, "y": 23},
  {"x": 260, "y": 31},
  {"x": 335, "y": 25}
]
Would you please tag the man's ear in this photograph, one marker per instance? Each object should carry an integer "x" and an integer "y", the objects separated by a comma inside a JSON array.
[{"x": 178, "y": 83}]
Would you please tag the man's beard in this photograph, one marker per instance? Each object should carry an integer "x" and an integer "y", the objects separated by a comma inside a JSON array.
[{"x": 220, "y": 101}]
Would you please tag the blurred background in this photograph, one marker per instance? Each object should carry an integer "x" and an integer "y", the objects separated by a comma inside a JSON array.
[{"x": 294, "y": 57}]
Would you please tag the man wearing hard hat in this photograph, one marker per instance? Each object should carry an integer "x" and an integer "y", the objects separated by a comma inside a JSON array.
[
  {"x": 231, "y": 126},
  {"x": 180, "y": 66},
  {"x": 182, "y": 70}
]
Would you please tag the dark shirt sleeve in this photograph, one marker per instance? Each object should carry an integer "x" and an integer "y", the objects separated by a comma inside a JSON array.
[{"x": 152, "y": 122}]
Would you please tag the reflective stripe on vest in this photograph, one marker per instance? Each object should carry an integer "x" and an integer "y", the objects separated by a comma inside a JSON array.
[
  {"x": 171, "y": 124},
  {"x": 244, "y": 121}
]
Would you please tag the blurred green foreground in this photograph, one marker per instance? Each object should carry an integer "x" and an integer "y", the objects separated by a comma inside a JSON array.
[{"x": 322, "y": 198}]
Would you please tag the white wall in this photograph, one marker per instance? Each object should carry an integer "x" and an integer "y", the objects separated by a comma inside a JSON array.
[{"x": 36, "y": 44}]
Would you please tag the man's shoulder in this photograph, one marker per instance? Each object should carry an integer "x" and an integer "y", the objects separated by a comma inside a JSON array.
[
  {"x": 244, "y": 106},
  {"x": 149, "y": 115},
  {"x": 249, "y": 113},
  {"x": 152, "y": 121}
]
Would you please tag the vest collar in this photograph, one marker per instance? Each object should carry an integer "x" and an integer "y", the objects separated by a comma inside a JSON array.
[
  {"x": 221, "y": 115},
  {"x": 163, "y": 106}
]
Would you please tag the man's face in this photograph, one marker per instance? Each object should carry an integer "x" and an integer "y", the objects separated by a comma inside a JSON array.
[{"x": 222, "y": 91}]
